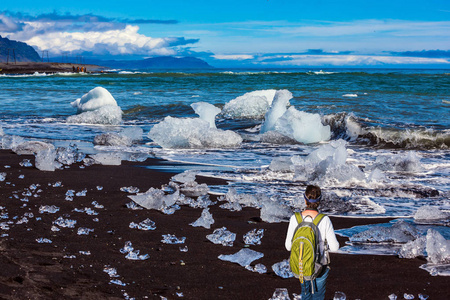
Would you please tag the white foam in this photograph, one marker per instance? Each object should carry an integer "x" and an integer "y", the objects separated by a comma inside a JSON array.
[{"x": 350, "y": 95}]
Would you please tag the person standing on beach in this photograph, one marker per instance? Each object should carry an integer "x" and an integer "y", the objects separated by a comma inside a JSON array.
[{"x": 327, "y": 239}]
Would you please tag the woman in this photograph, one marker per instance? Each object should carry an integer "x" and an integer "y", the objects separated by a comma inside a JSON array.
[{"x": 312, "y": 197}]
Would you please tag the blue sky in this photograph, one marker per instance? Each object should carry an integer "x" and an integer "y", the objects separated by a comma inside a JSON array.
[{"x": 264, "y": 33}]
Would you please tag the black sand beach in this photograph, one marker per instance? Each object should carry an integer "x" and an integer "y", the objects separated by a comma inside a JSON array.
[{"x": 57, "y": 270}]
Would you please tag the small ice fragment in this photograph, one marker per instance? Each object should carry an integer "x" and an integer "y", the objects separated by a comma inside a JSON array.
[
  {"x": 280, "y": 294},
  {"x": 193, "y": 189},
  {"x": 244, "y": 257},
  {"x": 85, "y": 252},
  {"x": 7, "y": 167},
  {"x": 222, "y": 236},
  {"x": 184, "y": 249},
  {"x": 48, "y": 209},
  {"x": 408, "y": 296},
  {"x": 96, "y": 205},
  {"x": 81, "y": 193},
  {"x": 283, "y": 269},
  {"x": 205, "y": 220},
  {"x": 132, "y": 205},
  {"x": 339, "y": 296},
  {"x": 127, "y": 248},
  {"x": 392, "y": 297},
  {"x": 172, "y": 239},
  {"x": 61, "y": 222},
  {"x": 20, "y": 176},
  {"x": 254, "y": 237},
  {"x": 84, "y": 231},
  {"x": 54, "y": 228},
  {"x": 99, "y": 188},
  {"x": 57, "y": 184},
  {"x": 117, "y": 281},
  {"x": 112, "y": 272},
  {"x": 2, "y": 176},
  {"x": 43, "y": 241},
  {"x": 259, "y": 268},
  {"x": 130, "y": 189},
  {"x": 69, "y": 198},
  {"x": 70, "y": 193},
  {"x": 423, "y": 297},
  {"x": 69, "y": 256},
  {"x": 147, "y": 224},
  {"x": 180, "y": 294},
  {"x": 26, "y": 163}
]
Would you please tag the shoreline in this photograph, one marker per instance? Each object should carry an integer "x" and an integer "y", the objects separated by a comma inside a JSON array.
[
  {"x": 27, "y": 68},
  {"x": 59, "y": 270}
]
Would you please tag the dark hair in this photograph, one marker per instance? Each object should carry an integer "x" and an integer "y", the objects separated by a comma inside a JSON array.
[{"x": 312, "y": 192}]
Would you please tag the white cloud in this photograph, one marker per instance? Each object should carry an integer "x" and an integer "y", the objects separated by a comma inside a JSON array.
[{"x": 233, "y": 56}]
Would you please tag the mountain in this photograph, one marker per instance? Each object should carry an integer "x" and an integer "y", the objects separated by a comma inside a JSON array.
[
  {"x": 162, "y": 62},
  {"x": 21, "y": 51}
]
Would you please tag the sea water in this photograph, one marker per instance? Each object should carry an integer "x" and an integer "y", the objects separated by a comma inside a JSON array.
[{"x": 377, "y": 141}]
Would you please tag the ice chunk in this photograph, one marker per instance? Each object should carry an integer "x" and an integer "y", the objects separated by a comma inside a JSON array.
[
  {"x": 281, "y": 164},
  {"x": 112, "y": 272},
  {"x": 303, "y": 127},
  {"x": 438, "y": 248},
  {"x": 132, "y": 254},
  {"x": 94, "y": 99},
  {"x": 26, "y": 163},
  {"x": 277, "y": 109},
  {"x": 108, "y": 158},
  {"x": 192, "y": 133},
  {"x": 155, "y": 199},
  {"x": 274, "y": 212},
  {"x": 392, "y": 297},
  {"x": 205, "y": 220},
  {"x": 376, "y": 176},
  {"x": 414, "y": 248},
  {"x": 43, "y": 241},
  {"x": 408, "y": 296},
  {"x": 46, "y": 160},
  {"x": 186, "y": 176},
  {"x": 84, "y": 231},
  {"x": 254, "y": 237},
  {"x": 112, "y": 139},
  {"x": 81, "y": 193},
  {"x": 339, "y": 296},
  {"x": 400, "y": 232},
  {"x": 117, "y": 282},
  {"x": 429, "y": 213},
  {"x": 32, "y": 147},
  {"x": 2, "y": 176},
  {"x": 172, "y": 239},
  {"x": 244, "y": 257},
  {"x": 11, "y": 141},
  {"x": 222, "y": 236},
  {"x": 147, "y": 224},
  {"x": 61, "y": 222},
  {"x": 69, "y": 155},
  {"x": 423, "y": 297},
  {"x": 48, "y": 209},
  {"x": 259, "y": 268},
  {"x": 193, "y": 189},
  {"x": 280, "y": 294},
  {"x": 252, "y": 105},
  {"x": 207, "y": 112},
  {"x": 283, "y": 269},
  {"x": 130, "y": 189},
  {"x": 106, "y": 115}
]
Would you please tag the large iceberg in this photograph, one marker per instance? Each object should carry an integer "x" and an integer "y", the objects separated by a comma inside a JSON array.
[
  {"x": 252, "y": 105},
  {"x": 192, "y": 133},
  {"x": 98, "y": 106},
  {"x": 301, "y": 126}
]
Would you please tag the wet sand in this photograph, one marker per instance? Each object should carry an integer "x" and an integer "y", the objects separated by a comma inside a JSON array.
[
  {"x": 45, "y": 67},
  {"x": 57, "y": 270}
]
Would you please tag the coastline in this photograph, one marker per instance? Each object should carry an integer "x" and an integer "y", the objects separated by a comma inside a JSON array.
[
  {"x": 58, "y": 270},
  {"x": 25, "y": 68}
]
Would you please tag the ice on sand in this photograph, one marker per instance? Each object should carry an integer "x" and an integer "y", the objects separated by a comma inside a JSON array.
[
  {"x": 400, "y": 232},
  {"x": 258, "y": 268},
  {"x": 222, "y": 236},
  {"x": 132, "y": 254},
  {"x": 31, "y": 147},
  {"x": 126, "y": 137},
  {"x": 252, "y": 105},
  {"x": 185, "y": 177},
  {"x": 192, "y": 133},
  {"x": 254, "y": 237},
  {"x": 172, "y": 239},
  {"x": 280, "y": 294},
  {"x": 205, "y": 220},
  {"x": 193, "y": 189},
  {"x": 283, "y": 269},
  {"x": 274, "y": 212},
  {"x": 46, "y": 160},
  {"x": 108, "y": 158},
  {"x": 244, "y": 257},
  {"x": 155, "y": 199},
  {"x": 207, "y": 112},
  {"x": 147, "y": 224}
]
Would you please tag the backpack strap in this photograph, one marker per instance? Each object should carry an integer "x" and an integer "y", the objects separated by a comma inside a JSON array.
[
  {"x": 299, "y": 217},
  {"x": 318, "y": 218}
]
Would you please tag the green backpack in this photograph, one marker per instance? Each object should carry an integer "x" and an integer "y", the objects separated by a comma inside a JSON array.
[{"x": 305, "y": 254}]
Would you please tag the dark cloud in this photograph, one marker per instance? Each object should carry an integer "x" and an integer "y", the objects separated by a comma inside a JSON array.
[
  {"x": 424, "y": 53},
  {"x": 86, "y": 18},
  {"x": 181, "y": 41}
]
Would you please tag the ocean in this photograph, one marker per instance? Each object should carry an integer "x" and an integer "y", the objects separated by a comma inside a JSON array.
[{"x": 393, "y": 125}]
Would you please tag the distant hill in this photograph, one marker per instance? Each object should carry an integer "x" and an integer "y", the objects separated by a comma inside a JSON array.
[
  {"x": 22, "y": 51},
  {"x": 162, "y": 62}
]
